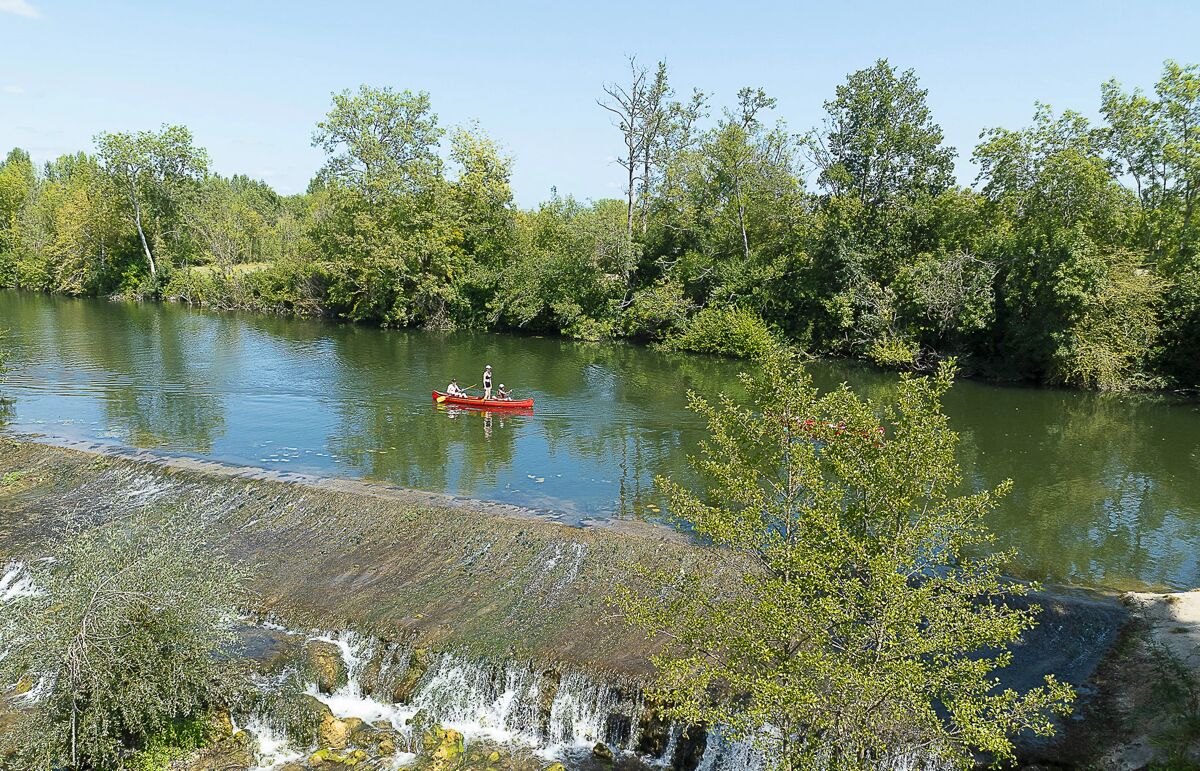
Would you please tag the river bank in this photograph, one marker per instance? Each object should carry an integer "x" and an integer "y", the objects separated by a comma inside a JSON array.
[
  {"x": 984, "y": 372},
  {"x": 506, "y": 599}
]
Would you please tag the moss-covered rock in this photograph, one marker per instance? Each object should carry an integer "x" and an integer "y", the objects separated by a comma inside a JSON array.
[
  {"x": 328, "y": 758},
  {"x": 370, "y": 676},
  {"x": 405, "y": 683},
  {"x": 443, "y": 749},
  {"x": 323, "y": 662},
  {"x": 298, "y": 715},
  {"x": 333, "y": 733},
  {"x": 233, "y": 751},
  {"x": 602, "y": 752}
]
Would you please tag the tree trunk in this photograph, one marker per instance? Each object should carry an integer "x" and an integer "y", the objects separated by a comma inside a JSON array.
[
  {"x": 137, "y": 219},
  {"x": 645, "y": 207},
  {"x": 629, "y": 197},
  {"x": 737, "y": 188}
]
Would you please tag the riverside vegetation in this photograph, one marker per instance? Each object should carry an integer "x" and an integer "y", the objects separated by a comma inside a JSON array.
[
  {"x": 1072, "y": 260},
  {"x": 114, "y": 646}
]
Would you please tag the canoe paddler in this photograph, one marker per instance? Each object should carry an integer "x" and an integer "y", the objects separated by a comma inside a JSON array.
[
  {"x": 502, "y": 394},
  {"x": 453, "y": 389},
  {"x": 487, "y": 382}
]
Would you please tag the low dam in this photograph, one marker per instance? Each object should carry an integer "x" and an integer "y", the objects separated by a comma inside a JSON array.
[{"x": 487, "y": 617}]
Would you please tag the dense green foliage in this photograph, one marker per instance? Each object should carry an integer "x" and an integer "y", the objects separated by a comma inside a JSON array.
[
  {"x": 865, "y": 627},
  {"x": 117, "y": 647},
  {"x": 1072, "y": 260}
]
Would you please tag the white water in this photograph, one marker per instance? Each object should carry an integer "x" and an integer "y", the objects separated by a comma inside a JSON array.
[
  {"x": 724, "y": 755},
  {"x": 272, "y": 750},
  {"x": 500, "y": 704},
  {"x": 15, "y": 582}
]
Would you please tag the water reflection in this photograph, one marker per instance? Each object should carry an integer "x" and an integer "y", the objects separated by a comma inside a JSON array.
[{"x": 1106, "y": 488}]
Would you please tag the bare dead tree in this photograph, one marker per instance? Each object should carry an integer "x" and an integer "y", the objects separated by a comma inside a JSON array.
[{"x": 627, "y": 105}]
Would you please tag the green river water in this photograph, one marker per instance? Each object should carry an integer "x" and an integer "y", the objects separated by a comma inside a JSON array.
[{"x": 1107, "y": 488}]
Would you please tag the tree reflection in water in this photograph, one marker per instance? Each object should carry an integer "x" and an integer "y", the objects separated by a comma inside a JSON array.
[{"x": 1107, "y": 488}]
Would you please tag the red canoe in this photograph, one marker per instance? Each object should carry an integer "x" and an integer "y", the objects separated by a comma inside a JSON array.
[{"x": 480, "y": 403}]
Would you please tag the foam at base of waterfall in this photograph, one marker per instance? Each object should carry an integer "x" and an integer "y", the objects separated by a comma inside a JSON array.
[
  {"x": 274, "y": 751},
  {"x": 271, "y": 751}
]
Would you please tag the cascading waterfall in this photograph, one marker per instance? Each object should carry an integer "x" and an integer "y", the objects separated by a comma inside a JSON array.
[
  {"x": 721, "y": 754},
  {"x": 497, "y": 703},
  {"x": 558, "y": 716}
]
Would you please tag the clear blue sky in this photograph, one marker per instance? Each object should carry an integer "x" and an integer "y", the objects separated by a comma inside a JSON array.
[{"x": 251, "y": 79}]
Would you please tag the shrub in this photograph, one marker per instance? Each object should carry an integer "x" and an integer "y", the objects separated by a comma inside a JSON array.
[
  {"x": 179, "y": 739},
  {"x": 122, "y": 638},
  {"x": 892, "y": 352},
  {"x": 587, "y": 328},
  {"x": 657, "y": 311},
  {"x": 728, "y": 331}
]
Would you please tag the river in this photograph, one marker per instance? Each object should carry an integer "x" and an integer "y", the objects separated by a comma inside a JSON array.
[{"x": 1107, "y": 488}]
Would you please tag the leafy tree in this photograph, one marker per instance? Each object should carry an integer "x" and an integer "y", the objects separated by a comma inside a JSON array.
[
  {"x": 870, "y": 615},
  {"x": 483, "y": 193},
  {"x": 736, "y": 151},
  {"x": 573, "y": 270},
  {"x": 1054, "y": 187},
  {"x": 92, "y": 245},
  {"x": 232, "y": 221},
  {"x": 152, "y": 171},
  {"x": 880, "y": 143},
  {"x": 389, "y": 231},
  {"x": 1112, "y": 306},
  {"x": 486, "y": 221},
  {"x": 1156, "y": 143},
  {"x": 120, "y": 637},
  {"x": 882, "y": 167},
  {"x": 17, "y": 181},
  {"x": 380, "y": 142}
]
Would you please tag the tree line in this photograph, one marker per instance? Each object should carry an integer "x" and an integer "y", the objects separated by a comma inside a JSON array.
[{"x": 1072, "y": 259}]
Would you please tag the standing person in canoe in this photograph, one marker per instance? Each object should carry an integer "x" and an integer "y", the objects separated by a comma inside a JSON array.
[{"x": 487, "y": 382}]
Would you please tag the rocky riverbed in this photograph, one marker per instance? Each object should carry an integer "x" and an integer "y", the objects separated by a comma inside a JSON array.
[{"x": 393, "y": 627}]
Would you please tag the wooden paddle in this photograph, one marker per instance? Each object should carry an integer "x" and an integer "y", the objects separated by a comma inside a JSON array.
[{"x": 444, "y": 397}]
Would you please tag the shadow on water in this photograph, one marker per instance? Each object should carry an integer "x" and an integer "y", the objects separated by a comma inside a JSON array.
[{"x": 1107, "y": 488}]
